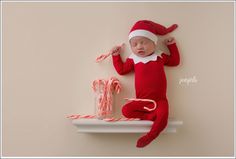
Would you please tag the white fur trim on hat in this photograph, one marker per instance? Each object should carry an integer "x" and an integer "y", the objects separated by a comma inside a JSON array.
[{"x": 144, "y": 33}]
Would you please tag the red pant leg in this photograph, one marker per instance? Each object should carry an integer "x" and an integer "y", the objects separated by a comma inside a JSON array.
[
  {"x": 162, "y": 113},
  {"x": 135, "y": 109},
  {"x": 159, "y": 124}
]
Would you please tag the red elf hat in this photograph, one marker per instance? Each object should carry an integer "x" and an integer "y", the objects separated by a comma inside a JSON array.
[{"x": 150, "y": 30}]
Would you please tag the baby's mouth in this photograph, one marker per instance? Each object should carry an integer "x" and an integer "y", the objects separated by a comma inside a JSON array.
[{"x": 141, "y": 52}]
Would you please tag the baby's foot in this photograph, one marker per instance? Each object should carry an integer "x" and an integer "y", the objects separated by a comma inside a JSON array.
[{"x": 144, "y": 141}]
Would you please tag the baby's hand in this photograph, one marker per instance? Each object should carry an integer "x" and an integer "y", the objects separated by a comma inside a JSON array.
[
  {"x": 116, "y": 50},
  {"x": 170, "y": 40}
]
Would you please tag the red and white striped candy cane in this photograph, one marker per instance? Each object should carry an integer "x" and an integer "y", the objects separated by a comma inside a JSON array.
[
  {"x": 120, "y": 119},
  {"x": 104, "y": 56},
  {"x": 77, "y": 116},
  {"x": 145, "y": 100}
]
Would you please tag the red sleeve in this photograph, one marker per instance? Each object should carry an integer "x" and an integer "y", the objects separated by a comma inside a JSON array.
[
  {"x": 122, "y": 67},
  {"x": 173, "y": 59}
]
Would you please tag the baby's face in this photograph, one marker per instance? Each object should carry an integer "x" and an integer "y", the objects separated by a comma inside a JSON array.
[{"x": 142, "y": 46}]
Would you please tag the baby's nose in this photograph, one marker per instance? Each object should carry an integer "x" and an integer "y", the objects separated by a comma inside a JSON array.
[{"x": 139, "y": 46}]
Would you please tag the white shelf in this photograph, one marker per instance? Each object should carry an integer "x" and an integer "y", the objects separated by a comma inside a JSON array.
[{"x": 100, "y": 126}]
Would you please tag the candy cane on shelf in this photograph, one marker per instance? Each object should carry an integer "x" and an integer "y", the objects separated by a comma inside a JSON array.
[
  {"x": 77, "y": 116},
  {"x": 145, "y": 100},
  {"x": 81, "y": 116},
  {"x": 104, "y": 56},
  {"x": 120, "y": 119}
]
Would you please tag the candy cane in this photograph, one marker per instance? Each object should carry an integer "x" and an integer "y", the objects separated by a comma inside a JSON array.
[
  {"x": 120, "y": 119},
  {"x": 98, "y": 83},
  {"x": 106, "y": 119},
  {"x": 104, "y": 56},
  {"x": 145, "y": 100},
  {"x": 81, "y": 116}
]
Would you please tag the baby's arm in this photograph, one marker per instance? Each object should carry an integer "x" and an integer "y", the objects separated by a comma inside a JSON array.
[
  {"x": 173, "y": 59},
  {"x": 121, "y": 67}
]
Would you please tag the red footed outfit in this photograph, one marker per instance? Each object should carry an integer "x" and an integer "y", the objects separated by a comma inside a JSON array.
[{"x": 150, "y": 83}]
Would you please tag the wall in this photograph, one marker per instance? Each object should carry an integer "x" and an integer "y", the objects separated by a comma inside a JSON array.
[{"x": 49, "y": 51}]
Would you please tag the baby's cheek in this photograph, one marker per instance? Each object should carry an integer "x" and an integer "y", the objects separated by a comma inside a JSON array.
[{"x": 133, "y": 49}]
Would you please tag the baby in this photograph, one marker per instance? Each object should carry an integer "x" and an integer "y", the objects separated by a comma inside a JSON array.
[{"x": 150, "y": 79}]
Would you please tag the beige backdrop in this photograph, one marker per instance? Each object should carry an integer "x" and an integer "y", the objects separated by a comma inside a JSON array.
[{"x": 49, "y": 51}]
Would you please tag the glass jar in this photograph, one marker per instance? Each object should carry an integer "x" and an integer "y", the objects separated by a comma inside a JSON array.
[{"x": 103, "y": 103}]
